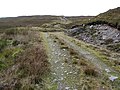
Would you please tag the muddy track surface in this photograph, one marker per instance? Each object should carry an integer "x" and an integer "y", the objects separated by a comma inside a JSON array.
[{"x": 65, "y": 75}]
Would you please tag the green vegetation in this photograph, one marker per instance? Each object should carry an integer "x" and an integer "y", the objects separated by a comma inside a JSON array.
[
  {"x": 7, "y": 57},
  {"x": 29, "y": 69},
  {"x": 111, "y": 17},
  {"x": 102, "y": 54},
  {"x": 23, "y": 61},
  {"x": 87, "y": 67},
  {"x": 92, "y": 77},
  {"x": 3, "y": 43},
  {"x": 78, "y": 21},
  {"x": 24, "y": 21}
]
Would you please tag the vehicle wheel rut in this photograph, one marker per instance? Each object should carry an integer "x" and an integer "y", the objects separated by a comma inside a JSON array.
[
  {"x": 83, "y": 52},
  {"x": 65, "y": 75}
]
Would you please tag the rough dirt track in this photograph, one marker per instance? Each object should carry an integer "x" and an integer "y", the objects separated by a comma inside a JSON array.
[{"x": 64, "y": 75}]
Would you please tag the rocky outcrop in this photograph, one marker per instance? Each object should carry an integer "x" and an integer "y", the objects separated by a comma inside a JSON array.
[{"x": 102, "y": 35}]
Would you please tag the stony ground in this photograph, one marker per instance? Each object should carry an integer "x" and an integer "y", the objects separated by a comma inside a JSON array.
[
  {"x": 55, "y": 61},
  {"x": 101, "y": 35},
  {"x": 74, "y": 66}
]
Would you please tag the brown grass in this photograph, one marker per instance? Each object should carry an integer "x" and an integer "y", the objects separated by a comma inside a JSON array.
[
  {"x": 83, "y": 63},
  {"x": 66, "y": 61},
  {"x": 27, "y": 70},
  {"x": 63, "y": 47},
  {"x": 91, "y": 71},
  {"x": 116, "y": 62},
  {"x": 62, "y": 44},
  {"x": 72, "y": 52},
  {"x": 75, "y": 62}
]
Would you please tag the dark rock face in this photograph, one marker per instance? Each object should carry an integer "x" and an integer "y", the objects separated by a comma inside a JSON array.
[
  {"x": 102, "y": 35},
  {"x": 76, "y": 31},
  {"x": 118, "y": 27}
]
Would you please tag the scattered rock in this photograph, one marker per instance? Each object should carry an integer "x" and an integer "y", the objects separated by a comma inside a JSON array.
[
  {"x": 75, "y": 89},
  {"x": 64, "y": 49},
  {"x": 61, "y": 78},
  {"x": 54, "y": 73},
  {"x": 97, "y": 34},
  {"x": 54, "y": 80},
  {"x": 64, "y": 55},
  {"x": 65, "y": 71},
  {"x": 67, "y": 88},
  {"x": 75, "y": 73},
  {"x": 112, "y": 78},
  {"x": 57, "y": 67},
  {"x": 56, "y": 53},
  {"x": 107, "y": 70},
  {"x": 56, "y": 61}
]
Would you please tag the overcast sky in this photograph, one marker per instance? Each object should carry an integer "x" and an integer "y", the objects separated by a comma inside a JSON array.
[{"x": 12, "y": 8}]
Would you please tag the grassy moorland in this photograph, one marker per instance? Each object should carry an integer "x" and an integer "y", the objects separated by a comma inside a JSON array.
[
  {"x": 23, "y": 60},
  {"x": 111, "y": 17},
  {"x": 23, "y": 21},
  {"x": 35, "y": 54}
]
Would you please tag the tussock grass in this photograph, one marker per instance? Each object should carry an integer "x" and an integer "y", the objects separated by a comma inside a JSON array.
[
  {"x": 23, "y": 61},
  {"x": 63, "y": 47},
  {"x": 83, "y": 63},
  {"x": 103, "y": 54},
  {"x": 61, "y": 43},
  {"x": 75, "y": 62},
  {"x": 72, "y": 52},
  {"x": 91, "y": 71},
  {"x": 66, "y": 61},
  {"x": 27, "y": 70},
  {"x": 116, "y": 62}
]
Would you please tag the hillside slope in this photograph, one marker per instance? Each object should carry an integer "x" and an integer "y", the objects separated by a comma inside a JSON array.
[
  {"x": 26, "y": 21},
  {"x": 102, "y": 30},
  {"x": 111, "y": 17}
]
